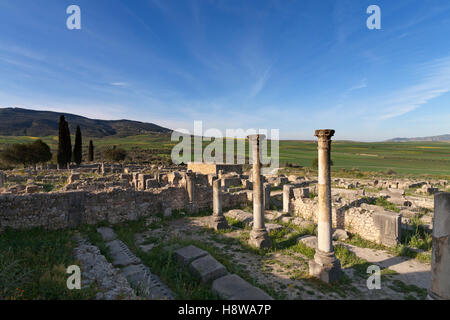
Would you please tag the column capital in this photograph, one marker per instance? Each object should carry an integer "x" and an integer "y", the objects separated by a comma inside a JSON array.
[{"x": 324, "y": 134}]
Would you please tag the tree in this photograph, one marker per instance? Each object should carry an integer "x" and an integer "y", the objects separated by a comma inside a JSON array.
[
  {"x": 61, "y": 157},
  {"x": 77, "y": 149},
  {"x": 40, "y": 151},
  {"x": 91, "y": 151},
  {"x": 68, "y": 143},
  {"x": 115, "y": 154},
  {"x": 27, "y": 153}
]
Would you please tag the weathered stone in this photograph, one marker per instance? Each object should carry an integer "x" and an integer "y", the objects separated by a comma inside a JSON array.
[
  {"x": 208, "y": 268},
  {"x": 309, "y": 241},
  {"x": 167, "y": 212},
  {"x": 73, "y": 177},
  {"x": 287, "y": 194},
  {"x": 107, "y": 233},
  {"x": 2, "y": 179},
  {"x": 340, "y": 234},
  {"x": 121, "y": 255},
  {"x": 240, "y": 215},
  {"x": 389, "y": 225},
  {"x": 188, "y": 254},
  {"x": 440, "y": 260},
  {"x": 217, "y": 220},
  {"x": 151, "y": 183},
  {"x": 233, "y": 287},
  {"x": 259, "y": 236},
  {"x": 32, "y": 189},
  {"x": 146, "y": 283},
  {"x": 267, "y": 196},
  {"x": 273, "y": 227},
  {"x": 325, "y": 266}
]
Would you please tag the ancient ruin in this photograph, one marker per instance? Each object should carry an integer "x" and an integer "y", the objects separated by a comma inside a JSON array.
[{"x": 213, "y": 217}]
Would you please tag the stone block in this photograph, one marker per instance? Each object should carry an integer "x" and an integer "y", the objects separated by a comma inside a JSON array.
[
  {"x": 107, "y": 233},
  {"x": 389, "y": 226},
  {"x": 151, "y": 183},
  {"x": 121, "y": 255},
  {"x": 233, "y": 287},
  {"x": 273, "y": 227},
  {"x": 188, "y": 254},
  {"x": 208, "y": 268},
  {"x": 146, "y": 283},
  {"x": 240, "y": 215},
  {"x": 309, "y": 241},
  {"x": 340, "y": 234}
]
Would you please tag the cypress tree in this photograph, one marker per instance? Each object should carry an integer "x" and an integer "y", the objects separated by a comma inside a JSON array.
[
  {"x": 77, "y": 149},
  {"x": 91, "y": 151},
  {"x": 61, "y": 156},
  {"x": 68, "y": 143}
]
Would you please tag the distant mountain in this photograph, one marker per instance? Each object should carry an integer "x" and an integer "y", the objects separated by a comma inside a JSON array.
[
  {"x": 24, "y": 122},
  {"x": 444, "y": 137}
]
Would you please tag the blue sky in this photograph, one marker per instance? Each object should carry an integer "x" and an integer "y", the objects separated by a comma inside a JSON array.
[{"x": 289, "y": 65}]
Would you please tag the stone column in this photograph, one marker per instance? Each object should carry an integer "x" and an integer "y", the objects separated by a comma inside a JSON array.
[
  {"x": 440, "y": 259},
  {"x": 258, "y": 236},
  {"x": 325, "y": 265},
  {"x": 2, "y": 179},
  {"x": 287, "y": 190},
  {"x": 102, "y": 169},
  {"x": 190, "y": 188},
  {"x": 267, "y": 196},
  {"x": 218, "y": 220}
]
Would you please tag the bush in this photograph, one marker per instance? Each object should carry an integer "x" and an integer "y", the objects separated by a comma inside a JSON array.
[
  {"x": 115, "y": 154},
  {"x": 27, "y": 153}
]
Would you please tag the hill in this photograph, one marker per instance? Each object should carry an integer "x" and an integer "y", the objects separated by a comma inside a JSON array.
[
  {"x": 24, "y": 122},
  {"x": 444, "y": 138}
]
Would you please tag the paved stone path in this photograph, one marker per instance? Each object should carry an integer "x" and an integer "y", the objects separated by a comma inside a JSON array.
[
  {"x": 227, "y": 286},
  {"x": 95, "y": 268},
  {"x": 139, "y": 276}
]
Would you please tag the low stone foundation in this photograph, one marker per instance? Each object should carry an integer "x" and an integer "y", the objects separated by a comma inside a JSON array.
[{"x": 368, "y": 221}]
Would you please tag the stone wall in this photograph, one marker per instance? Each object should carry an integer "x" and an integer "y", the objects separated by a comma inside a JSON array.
[
  {"x": 69, "y": 209},
  {"x": 213, "y": 168},
  {"x": 370, "y": 222}
]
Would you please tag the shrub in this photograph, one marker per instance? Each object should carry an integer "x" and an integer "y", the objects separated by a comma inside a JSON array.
[
  {"x": 27, "y": 153},
  {"x": 115, "y": 154}
]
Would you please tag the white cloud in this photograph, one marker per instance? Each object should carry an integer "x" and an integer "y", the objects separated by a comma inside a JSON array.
[
  {"x": 260, "y": 83},
  {"x": 120, "y": 84},
  {"x": 361, "y": 85},
  {"x": 434, "y": 82}
]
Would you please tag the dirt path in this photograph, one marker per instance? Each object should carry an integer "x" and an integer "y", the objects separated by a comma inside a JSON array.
[{"x": 409, "y": 270}]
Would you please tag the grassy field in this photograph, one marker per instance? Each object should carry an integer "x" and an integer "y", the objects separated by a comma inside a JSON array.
[{"x": 404, "y": 158}]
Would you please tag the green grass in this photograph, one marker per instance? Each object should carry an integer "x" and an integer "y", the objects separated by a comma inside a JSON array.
[
  {"x": 33, "y": 265},
  {"x": 382, "y": 202},
  {"x": 403, "y": 249},
  {"x": 351, "y": 159}
]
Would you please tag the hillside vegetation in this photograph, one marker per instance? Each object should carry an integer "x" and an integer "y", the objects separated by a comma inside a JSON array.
[{"x": 23, "y": 122}]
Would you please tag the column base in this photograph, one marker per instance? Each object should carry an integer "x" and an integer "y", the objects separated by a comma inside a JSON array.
[
  {"x": 325, "y": 266},
  {"x": 433, "y": 296},
  {"x": 218, "y": 223},
  {"x": 259, "y": 238}
]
